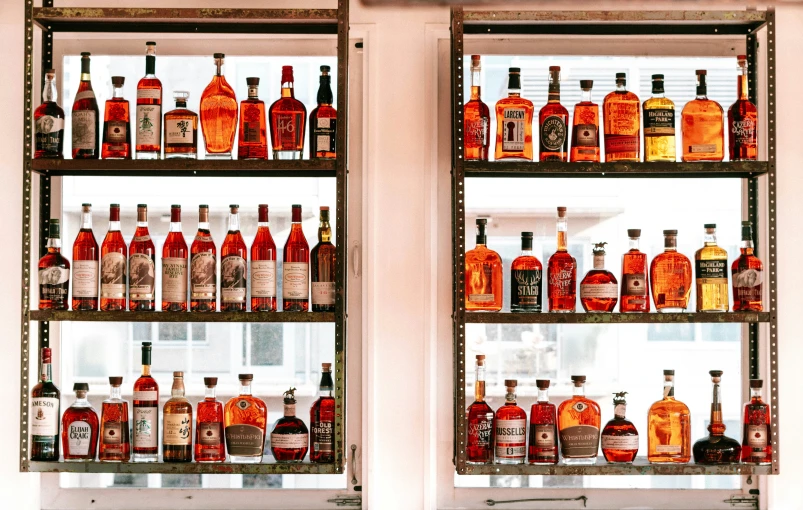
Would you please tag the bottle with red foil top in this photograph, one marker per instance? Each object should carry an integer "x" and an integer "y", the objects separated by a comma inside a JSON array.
[
  {"x": 756, "y": 443},
  {"x": 113, "y": 265},
  {"x": 635, "y": 289},
  {"x": 619, "y": 437},
  {"x": 45, "y": 399},
  {"x": 287, "y": 117},
  {"x": 203, "y": 266},
  {"x": 295, "y": 268},
  {"x": 289, "y": 439},
  {"x": 599, "y": 290},
  {"x": 85, "y": 116},
  {"x": 263, "y": 265},
  {"x": 79, "y": 428},
  {"x": 322, "y": 420},
  {"x": 85, "y": 255},
  {"x": 116, "y": 124},
  {"x": 480, "y": 422},
  {"x": 233, "y": 266},
  {"x": 209, "y": 445},
  {"x": 253, "y": 141},
  {"x": 149, "y": 109},
  {"x": 115, "y": 443},
  {"x": 747, "y": 273},
  {"x": 54, "y": 273},
  {"x": 323, "y": 121},
  {"x": 322, "y": 261},
  {"x": 142, "y": 266},
  {"x": 146, "y": 411},
  {"x": 174, "y": 266},
  {"x": 543, "y": 447},
  {"x": 510, "y": 429}
]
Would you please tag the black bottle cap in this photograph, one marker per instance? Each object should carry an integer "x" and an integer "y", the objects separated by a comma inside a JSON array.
[
  {"x": 578, "y": 378},
  {"x": 82, "y": 386},
  {"x": 325, "y": 69},
  {"x": 246, "y": 377},
  {"x": 54, "y": 229},
  {"x": 710, "y": 225},
  {"x": 252, "y": 81},
  {"x": 670, "y": 232},
  {"x": 514, "y": 70},
  {"x": 586, "y": 84},
  {"x": 657, "y": 77},
  {"x": 621, "y": 76},
  {"x": 114, "y": 206},
  {"x": 210, "y": 381},
  {"x": 290, "y": 396},
  {"x": 150, "y": 43},
  {"x": 296, "y": 206},
  {"x": 715, "y": 373},
  {"x": 527, "y": 234},
  {"x": 85, "y": 54},
  {"x": 219, "y": 55},
  {"x": 146, "y": 353},
  {"x": 142, "y": 205},
  {"x": 175, "y": 206},
  {"x": 669, "y": 372},
  {"x": 482, "y": 221}
]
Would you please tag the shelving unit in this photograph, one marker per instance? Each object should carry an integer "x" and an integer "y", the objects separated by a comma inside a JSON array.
[
  {"x": 492, "y": 24},
  {"x": 333, "y": 22}
]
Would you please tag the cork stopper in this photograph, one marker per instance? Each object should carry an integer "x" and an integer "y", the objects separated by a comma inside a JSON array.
[
  {"x": 511, "y": 383},
  {"x": 561, "y": 212},
  {"x": 475, "y": 60},
  {"x": 633, "y": 232},
  {"x": 481, "y": 359},
  {"x": 118, "y": 81},
  {"x": 578, "y": 380},
  {"x": 116, "y": 381},
  {"x": 756, "y": 383},
  {"x": 86, "y": 207},
  {"x": 326, "y": 367},
  {"x": 586, "y": 84},
  {"x": 716, "y": 375},
  {"x": 246, "y": 377},
  {"x": 252, "y": 81},
  {"x": 234, "y": 208},
  {"x": 210, "y": 382},
  {"x": 542, "y": 384}
]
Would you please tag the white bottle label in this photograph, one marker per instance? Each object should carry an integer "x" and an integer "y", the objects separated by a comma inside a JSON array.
[
  {"x": 177, "y": 429},
  {"x": 668, "y": 448},
  {"x": 620, "y": 442},
  {"x": 85, "y": 278},
  {"x": 149, "y": 94},
  {"x": 112, "y": 275},
  {"x": 203, "y": 275},
  {"x": 147, "y": 396},
  {"x": 79, "y": 435},
  {"x": 323, "y": 293},
  {"x": 149, "y": 124},
  {"x": 87, "y": 94},
  {"x": 289, "y": 440},
  {"x": 174, "y": 279},
  {"x": 178, "y": 131},
  {"x": 84, "y": 126},
  {"x": 757, "y": 436},
  {"x": 146, "y": 427},
  {"x": 599, "y": 290},
  {"x": 295, "y": 280},
  {"x": 263, "y": 278},
  {"x": 513, "y": 129},
  {"x": 233, "y": 274},
  {"x": 511, "y": 439},
  {"x": 44, "y": 416},
  {"x": 142, "y": 277}
]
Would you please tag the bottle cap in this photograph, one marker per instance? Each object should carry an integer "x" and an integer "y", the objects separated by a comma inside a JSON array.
[
  {"x": 175, "y": 206},
  {"x": 710, "y": 225},
  {"x": 210, "y": 382},
  {"x": 118, "y": 81},
  {"x": 578, "y": 378},
  {"x": 634, "y": 232},
  {"x": 326, "y": 367},
  {"x": 715, "y": 373},
  {"x": 287, "y": 74},
  {"x": 150, "y": 43},
  {"x": 586, "y": 84},
  {"x": 142, "y": 206},
  {"x": 252, "y": 81},
  {"x": 542, "y": 383},
  {"x": 324, "y": 208},
  {"x": 50, "y": 71},
  {"x": 178, "y": 374},
  {"x": 116, "y": 380},
  {"x": 82, "y": 386},
  {"x": 290, "y": 396},
  {"x": 669, "y": 372},
  {"x": 561, "y": 212},
  {"x": 511, "y": 383},
  {"x": 554, "y": 68},
  {"x": 527, "y": 234},
  {"x": 621, "y": 76},
  {"x": 325, "y": 69},
  {"x": 85, "y": 54},
  {"x": 181, "y": 95},
  {"x": 514, "y": 70},
  {"x": 475, "y": 59},
  {"x": 146, "y": 345},
  {"x": 480, "y": 359},
  {"x": 482, "y": 221},
  {"x": 114, "y": 206},
  {"x": 46, "y": 354},
  {"x": 203, "y": 206},
  {"x": 246, "y": 377},
  {"x": 219, "y": 55},
  {"x": 296, "y": 206},
  {"x": 670, "y": 232},
  {"x": 701, "y": 72},
  {"x": 756, "y": 383}
]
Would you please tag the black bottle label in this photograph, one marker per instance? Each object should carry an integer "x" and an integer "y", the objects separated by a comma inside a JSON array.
[{"x": 525, "y": 290}]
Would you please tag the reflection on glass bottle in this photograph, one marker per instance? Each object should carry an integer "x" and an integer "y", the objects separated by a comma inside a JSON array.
[
  {"x": 483, "y": 275},
  {"x": 670, "y": 276},
  {"x": 669, "y": 427},
  {"x": 219, "y": 114}
]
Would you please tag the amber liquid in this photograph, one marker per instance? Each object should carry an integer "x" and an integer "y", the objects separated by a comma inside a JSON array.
[
  {"x": 177, "y": 452},
  {"x": 322, "y": 266},
  {"x": 263, "y": 248},
  {"x": 116, "y": 130},
  {"x": 322, "y": 416},
  {"x": 119, "y": 450},
  {"x": 219, "y": 116},
  {"x": 480, "y": 423},
  {"x": 253, "y": 140},
  {"x": 635, "y": 295},
  {"x": 619, "y": 427},
  {"x": 585, "y": 132},
  {"x": 553, "y": 120},
  {"x": 483, "y": 280},
  {"x": 756, "y": 433},
  {"x": 85, "y": 247},
  {"x": 287, "y": 119},
  {"x": 595, "y": 279},
  {"x": 209, "y": 445},
  {"x": 146, "y": 87},
  {"x": 510, "y": 449},
  {"x": 323, "y": 114},
  {"x": 747, "y": 273},
  {"x": 82, "y": 414},
  {"x": 476, "y": 126},
  {"x": 113, "y": 267},
  {"x": 203, "y": 272},
  {"x": 245, "y": 409},
  {"x": 142, "y": 275},
  {"x": 742, "y": 125},
  {"x": 296, "y": 250},
  {"x": 543, "y": 426},
  {"x": 55, "y": 296},
  {"x": 174, "y": 247},
  {"x": 670, "y": 276},
  {"x": 622, "y": 126},
  {"x": 669, "y": 430},
  {"x": 514, "y": 128},
  {"x": 86, "y": 135},
  {"x": 230, "y": 276},
  {"x": 579, "y": 411},
  {"x": 702, "y": 131},
  {"x": 290, "y": 425},
  {"x": 562, "y": 278}
]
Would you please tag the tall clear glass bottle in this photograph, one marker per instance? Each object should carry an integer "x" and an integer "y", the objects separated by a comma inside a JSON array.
[
  {"x": 233, "y": 266},
  {"x": 479, "y": 420},
  {"x": 219, "y": 114},
  {"x": 149, "y": 109},
  {"x": 263, "y": 265},
  {"x": 203, "y": 266},
  {"x": 85, "y": 257},
  {"x": 295, "y": 267}
]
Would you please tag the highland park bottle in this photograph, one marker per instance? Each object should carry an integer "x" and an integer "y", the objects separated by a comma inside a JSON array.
[
  {"x": 514, "y": 122},
  {"x": 543, "y": 428},
  {"x": 479, "y": 422},
  {"x": 233, "y": 266},
  {"x": 619, "y": 438},
  {"x": 245, "y": 418},
  {"x": 322, "y": 420},
  {"x": 209, "y": 445},
  {"x": 659, "y": 124},
  {"x": 287, "y": 117},
  {"x": 295, "y": 267},
  {"x": 253, "y": 140},
  {"x": 54, "y": 273},
  {"x": 553, "y": 120},
  {"x": 85, "y": 255},
  {"x": 525, "y": 278},
  {"x": 669, "y": 427},
  {"x": 113, "y": 265},
  {"x": 174, "y": 265},
  {"x": 149, "y": 108},
  {"x": 670, "y": 276},
  {"x": 289, "y": 440},
  {"x": 711, "y": 273},
  {"x": 635, "y": 287},
  {"x": 116, "y": 124},
  {"x": 476, "y": 119},
  {"x": 85, "y": 117},
  {"x": 79, "y": 428},
  {"x": 219, "y": 114},
  {"x": 585, "y": 128},
  {"x": 702, "y": 126},
  {"x": 599, "y": 290},
  {"x": 181, "y": 129},
  {"x": 717, "y": 448},
  {"x": 742, "y": 121},
  {"x": 747, "y": 273},
  {"x": 177, "y": 433},
  {"x": 756, "y": 444},
  {"x": 323, "y": 121},
  {"x": 622, "y": 126},
  {"x": 510, "y": 429},
  {"x": 45, "y": 413},
  {"x": 203, "y": 266},
  {"x": 142, "y": 266},
  {"x": 146, "y": 411},
  {"x": 578, "y": 425},
  {"x": 115, "y": 445},
  {"x": 322, "y": 266},
  {"x": 483, "y": 275},
  {"x": 48, "y": 119},
  {"x": 263, "y": 265},
  {"x": 562, "y": 271}
]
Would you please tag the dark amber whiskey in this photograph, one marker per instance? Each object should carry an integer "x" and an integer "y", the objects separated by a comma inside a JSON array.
[
  {"x": 525, "y": 278},
  {"x": 742, "y": 120},
  {"x": 599, "y": 290},
  {"x": 177, "y": 433},
  {"x": 585, "y": 127},
  {"x": 635, "y": 293},
  {"x": 483, "y": 275},
  {"x": 48, "y": 119},
  {"x": 562, "y": 271},
  {"x": 79, "y": 428},
  {"x": 480, "y": 422},
  {"x": 619, "y": 437},
  {"x": 174, "y": 265},
  {"x": 287, "y": 116},
  {"x": 85, "y": 255},
  {"x": 510, "y": 429},
  {"x": 263, "y": 265},
  {"x": 116, "y": 124},
  {"x": 579, "y": 421},
  {"x": 253, "y": 140},
  {"x": 149, "y": 108},
  {"x": 322, "y": 262},
  {"x": 322, "y": 420},
  {"x": 85, "y": 117},
  {"x": 181, "y": 129},
  {"x": 45, "y": 401},
  {"x": 245, "y": 419},
  {"x": 203, "y": 266},
  {"x": 233, "y": 266},
  {"x": 219, "y": 114},
  {"x": 54, "y": 273},
  {"x": 717, "y": 448},
  {"x": 209, "y": 445},
  {"x": 553, "y": 119},
  {"x": 702, "y": 126},
  {"x": 670, "y": 276},
  {"x": 747, "y": 273},
  {"x": 622, "y": 126},
  {"x": 115, "y": 445},
  {"x": 756, "y": 432},
  {"x": 142, "y": 266},
  {"x": 476, "y": 119},
  {"x": 113, "y": 265},
  {"x": 514, "y": 122},
  {"x": 543, "y": 447},
  {"x": 323, "y": 121},
  {"x": 289, "y": 440},
  {"x": 295, "y": 267}
]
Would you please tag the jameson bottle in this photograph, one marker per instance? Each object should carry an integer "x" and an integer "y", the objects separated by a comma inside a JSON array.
[
  {"x": 85, "y": 117},
  {"x": 48, "y": 121},
  {"x": 45, "y": 414}
]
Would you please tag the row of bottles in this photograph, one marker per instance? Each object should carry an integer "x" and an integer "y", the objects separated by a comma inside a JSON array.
[
  {"x": 176, "y": 132},
  {"x": 669, "y": 276},
  {"x": 239, "y": 427},
  {"x": 117, "y": 276},
  {"x": 575, "y": 426},
  {"x": 702, "y": 123}
]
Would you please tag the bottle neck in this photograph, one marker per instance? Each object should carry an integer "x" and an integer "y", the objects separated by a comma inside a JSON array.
[
  {"x": 117, "y": 92},
  {"x": 670, "y": 243},
  {"x": 287, "y": 89},
  {"x": 755, "y": 395},
  {"x": 116, "y": 393},
  {"x": 621, "y": 85},
  {"x": 253, "y": 92},
  {"x": 219, "y": 67},
  {"x": 290, "y": 409},
  {"x": 150, "y": 64},
  {"x": 741, "y": 83},
  {"x": 50, "y": 93},
  {"x": 175, "y": 221},
  {"x": 234, "y": 222},
  {"x": 479, "y": 385},
  {"x": 563, "y": 234},
  {"x": 702, "y": 90},
  {"x": 210, "y": 393},
  {"x": 619, "y": 410},
  {"x": 475, "y": 83},
  {"x": 86, "y": 220},
  {"x": 510, "y": 396},
  {"x": 180, "y": 103},
  {"x": 325, "y": 388},
  {"x": 146, "y": 370},
  {"x": 553, "y": 95},
  {"x": 325, "y": 96},
  {"x": 85, "y": 76},
  {"x": 716, "y": 427},
  {"x": 634, "y": 244},
  {"x": 46, "y": 372},
  {"x": 658, "y": 91},
  {"x": 710, "y": 238},
  {"x": 324, "y": 232},
  {"x": 543, "y": 395},
  {"x": 178, "y": 387},
  {"x": 245, "y": 387},
  {"x": 669, "y": 388},
  {"x": 585, "y": 96},
  {"x": 54, "y": 244},
  {"x": 599, "y": 260},
  {"x": 203, "y": 226},
  {"x": 514, "y": 85},
  {"x": 579, "y": 390},
  {"x": 747, "y": 246},
  {"x": 482, "y": 239},
  {"x": 80, "y": 399}
]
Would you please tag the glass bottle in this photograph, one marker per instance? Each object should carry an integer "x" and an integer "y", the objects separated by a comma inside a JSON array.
[
  {"x": 149, "y": 108},
  {"x": 553, "y": 119},
  {"x": 233, "y": 266},
  {"x": 562, "y": 271},
  {"x": 209, "y": 444},
  {"x": 113, "y": 265},
  {"x": 323, "y": 121},
  {"x": 177, "y": 433},
  {"x": 218, "y": 114},
  {"x": 510, "y": 429},
  {"x": 85, "y": 255},
  {"x": 525, "y": 278},
  {"x": 756, "y": 443},
  {"x": 54, "y": 273},
  {"x": 45, "y": 399},
  {"x": 289, "y": 439},
  {"x": 479, "y": 420},
  {"x": 116, "y": 124},
  {"x": 717, "y": 448},
  {"x": 322, "y": 262},
  {"x": 622, "y": 128},
  {"x": 543, "y": 428},
  {"x": 711, "y": 271},
  {"x": 146, "y": 411},
  {"x": 79, "y": 428},
  {"x": 181, "y": 129},
  {"x": 295, "y": 267},
  {"x": 619, "y": 438},
  {"x": 142, "y": 266},
  {"x": 599, "y": 290},
  {"x": 253, "y": 141},
  {"x": 483, "y": 275},
  {"x": 476, "y": 119},
  {"x": 85, "y": 116},
  {"x": 670, "y": 276},
  {"x": 659, "y": 124},
  {"x": 514, "y": 122},
  {"x": 747, "y": 273},
  {"x": 635, "y": 286},
  {"x": 263, "y": 265},
  {"x": 174, "y": 265},
  {"x": 742, "y": 120},
  {"x": 287, "y": 117},
  {"x": 322, "y": 420},
  {"x": 585, "y": 127},
  {"x": 702, "y": 126},
  {"x": 669, "y": 427},
  {"x": 115, "y": 445},
  {"x": 244, "y": 420},
  {"x": 203, "y": 266},
  {"x": 48, "y": 119},
  {"x": 579, "y": 421}
]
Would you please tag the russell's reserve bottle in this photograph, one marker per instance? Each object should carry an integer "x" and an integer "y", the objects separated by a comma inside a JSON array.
[{"x": 510, "y": 429}]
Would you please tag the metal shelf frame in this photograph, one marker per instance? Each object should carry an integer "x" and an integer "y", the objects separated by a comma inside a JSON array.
[
  {"x": 495, "y": 24},
  {"x": 328, "y": 22}
]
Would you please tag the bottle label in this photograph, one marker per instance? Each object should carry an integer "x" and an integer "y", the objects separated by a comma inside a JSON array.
[
  {"x": 141, "y": 239},
  {"x": 599, "y": 290},
  {"x": 149, "y": 124},
  {"x": 203, "y": 274},
  {"x": 146, "y": 426},
  {"x": 586, "y": 135},
  {"x": 480, "y": 430},
  {"x": 561, "y": 281},
  {"x": 85, "y": 278},
  {"x": 116, "y": 131},
  {"x": 112, "y": 433},
  {"x": 174, "y": 279},
  {"x": 672, "y": 449},
  {"x": 659, "y": 122},
  {"x": 179, "y": 131},
  {"x": 620, "y": 442},
  {"x": 209, "y": 433},
  {"x": 54, "y": 283},
  {"x": 295, "y": 280},
  {"x": 553, "y": 134},
  {"x": 149, "y": 94},
  {"x": 250, "y": 132},
  {"x": 233, "y": 273},
  {"x": 323, "y": 293},
  {"x": 545, "y": 436},
  {"x": 579, "y": 440},
  {"x": 290, "y": 410},
  {"x": 747, "y": 285},
  {"x": 244, "y": 440},
  {"x": 635, "y": 285},
  {"x": 481, "y": 276},
  {"x": 757, "y": 436},
  {"x": 143, "y": 276},
  {"x": 263, "y": 278},
  {"x": 177, "y": 429},
  {"x": 513, "y": 129},
  {"x": 476, "y": 131},
  {"x": 325, "y": 133},
  {"x": 79, "y": 435},
  {"x": 253, "y": 125},
  {"x": 288, "y": 136},
  {"x": 146, "y": 396},
  {"x": 289, "y": 441},
  {"x": 511, "y": 439},
  {"x": 711, "y": 272},
  {"x": 49, "y": 132},
  {"x": 525, "y": 289},
  {"x": 744, "y": 131},
  {"x": 702, "y": 148},
  {"x": 44, "y": 416},
  {"x": 621, "y": 143},
  {"x": 480, "y": 298},
  {"x": 84, "y": 129},
  {"x": 322, "y": 433},
  {"x": 86, "y": 94}
]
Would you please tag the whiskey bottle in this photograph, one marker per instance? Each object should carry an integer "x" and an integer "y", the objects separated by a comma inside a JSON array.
[
  {"x": 619, "y": 437},
  {"x": 203, "y": 266},
  {"x": 742, "y": 120},
  {"x": 174, "y": 265},
  {"x": 54, "y": 273},
  {"x": 287, "y": 117},
  {"x": 659, "y": 124},
  {"x": 599, "y": 290},
  {"x": 322, "y": 420},
  {"x": 113, "y": 265},
  {"x": 45, "y": 398},
  {"x": 756, "y": 444},
  {"x": 483, "y": 275},
  {"x": 669, "y": 427},
  {"x": 585, "y": 127},
  {"x": 514, "y": 122},
  {"x": 702, "y": 126},
  {"x": 476, "y": 119},
  {"x": 323, "y": 121},
  {"x": 622, "y": 126},
  {"x": 543, "y": 428},
  {"x": 510, "y": 429},
  {"x": 562, "y": 271},
  {"x": 149, "y": 108},
  {"x": 219, "y": 114},
  {"x": 116, "y": 124},
  {"x": 233, "y": 266},
  {"x": 48, "y": 119},
  {"x": 79, "y": 428},
  {"x": 209, "y": 445},
  {"x": 85, "y": 116},
  {"x": 263, "y": 265},
  {"x": 579, "y": 421},
  {"x": 253, "y": 141},
  {"x": 181, "y": 129},
  {"x": 717, "y": 448},
  {"x": 670, "y": 276},
  {"x": 711, "y": 273},
  {"x": 142, "y": 266},
  {"x": 747, "y": 273},
  {"x": 322, "y": 262},
  {"x": 177, "y": 434},
  {"x": 289, "y": 439},
  {"x": 553, "y": 119},
  {"x": 85, "y": 255},
  {"x": 295, "y": 267},
  {"x": 245, "y": 418},
  {"x": 480, "y": 422},
  {"x": 146, "y": 411},
  {"x": 115, "y": 445},
  {"x": 525, "y": 278},
  {"x": 635, "y": 286}
]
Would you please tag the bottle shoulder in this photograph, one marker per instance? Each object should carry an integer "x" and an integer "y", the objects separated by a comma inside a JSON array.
[
  {"x": 659, "y": 103},
  {"x": 597, "y": 276},
  {"x": 513, "y": 102},
  {"x": 524, "y": 262}
]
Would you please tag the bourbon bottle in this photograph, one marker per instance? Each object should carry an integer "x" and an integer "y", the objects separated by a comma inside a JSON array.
[
  {"x": 742, "y": 120},
  {"x": 181, "y": 129},
  {"x": 553, "y": 120},
  {"x": 219, "y": 114},
  {"x": 323, "y": 121},
  {"x": 149, "y": 108},
  {"x": 146, "y": 411},
  {"x": 263, "y": 265},
  {"x": 322, "y": 262},
  {"x": 289, "y": 440},
  {"x": 711, "y": 273},
  {"x": 209, "y": 445},
  {"x": 116, "y": 124},
  {"x": 670, "y": 276},
  {"x": 578, "y": 424},
  {"x": 48, "y": 119},
  {"x": 253, "y": 141},
  {"x": 659, "y": 124},
  {"x": 480, "y": 422},
  {"x": 85, "y": 116},
  {"x": 113, "y": 265},
  {"x": 476, "y": 119},
  {"x": 543, "y": 428},
  {"x": 287, "y": 117},
  {"x": 756, "y": 444},
  {"x": 619, "y": 437},
  {"x": 115, "y": 445},
  {"x": 622, "y": 126},
  {"x": 702, "y": 126},
  {"x": 79, "y": 428},
  {"x": 85, "y": 255},
  {"x": 142, "y": 266},
  {"x": 510, "y": 429},
  {"x": 669, "y": 427},
  {"x": 177, "y": 434},
  {"x": 514, "y": 122},
  {"x": 233, "y": 266},
  {"x": 295, "y": 267},
  {"x": 322, "y": 420},
  {"x": 45, "y": 398},
  {"x": 635, "y": 286},
  {"x": 203, "y": 266},
  {"x": 54, "y": 273},
  {"x": 244, "y": 419},
  {"x": 717, "y": 448},
  {"x": 483, "y": 275},
  {"x": 747, "y": 273},
  {"x": 599, "y": 290},
  {"x": 174, "y": 265},
  {"x": 525, "y": 278},
  {"x": 585, "y": 127},
  {"x": 562, "y": 271}
]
